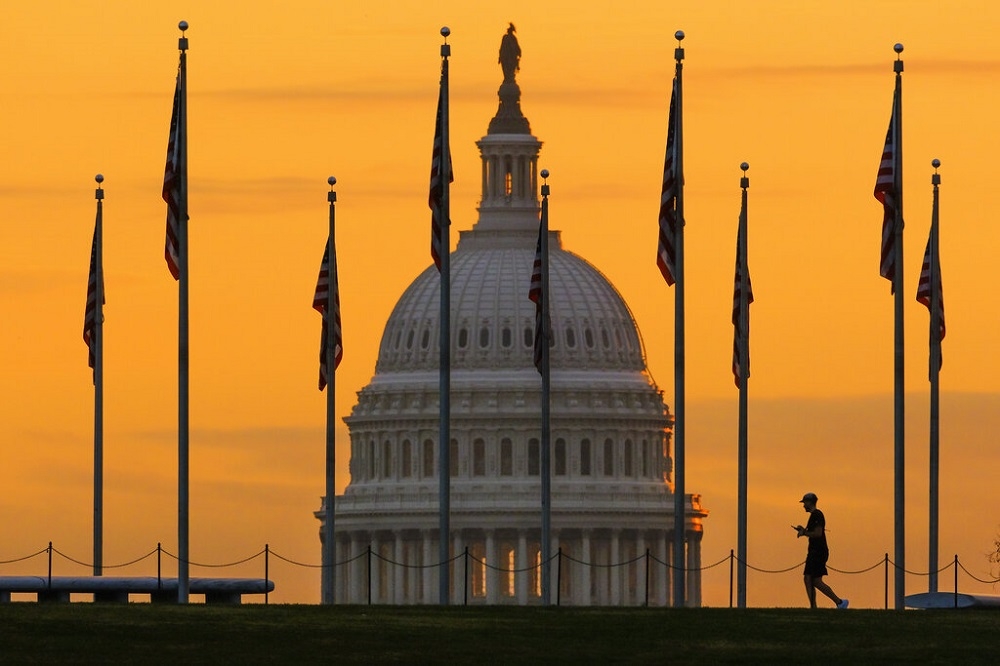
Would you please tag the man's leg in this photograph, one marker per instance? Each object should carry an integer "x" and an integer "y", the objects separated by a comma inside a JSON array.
[
  {"x": 818, "y": 584},
  {"x": 810, "y": 590}
]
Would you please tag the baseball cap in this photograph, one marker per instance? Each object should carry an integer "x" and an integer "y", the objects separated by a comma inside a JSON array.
[{"x": 809, "y": 497}]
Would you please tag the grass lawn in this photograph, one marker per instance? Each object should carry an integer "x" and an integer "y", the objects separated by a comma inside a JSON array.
[{"x": 33, "y": 633}]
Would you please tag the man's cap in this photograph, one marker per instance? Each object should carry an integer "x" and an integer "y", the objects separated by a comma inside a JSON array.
[{"x": 809, "y": 497}]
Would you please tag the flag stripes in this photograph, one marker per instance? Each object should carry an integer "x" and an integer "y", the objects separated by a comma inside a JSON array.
[
  {"x": 171, "y": 187},
  {"x": 924, "y": 290},
  {"x": 886, "y": 194},
  {"x": 90, "y": 314},
  {"x": 319, "y": 304},
  {"x": 535, "y": 295},
  {"x": 741, "y": 337},
  {"x": 666, "y": 253},
  {"x": 435, "y": 197}
]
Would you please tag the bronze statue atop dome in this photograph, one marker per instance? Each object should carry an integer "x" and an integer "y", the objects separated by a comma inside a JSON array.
[
  {"x": 510, "y": 54},
  {"x": 509, "y": 119}
]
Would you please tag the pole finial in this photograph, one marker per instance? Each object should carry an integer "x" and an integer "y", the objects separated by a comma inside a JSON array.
[
  {"x": 100, "y": 178},
  {"x": 331, "y": 196},
  {"x": 545, "y": 174},
  {"x": 744, "y": 181},
  {"x": 935, "y": 163},
  {"x": 545, "y": 186},
  {"x": 99, "y": 193},
  {"x": 679, "y": 51},
  {"x": 744, "y": 166},
  {"x": 182, "y": 43},
  {"x": 898, "y": 48},
  {"x": 935, "y": 177},
  {"x": 446, "y": 47},
  {"x": 332, "y": 181},
  {"x": 679, "y": 35}
]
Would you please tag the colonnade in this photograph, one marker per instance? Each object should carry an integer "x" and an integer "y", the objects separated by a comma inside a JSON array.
[{"x": 598, "y": 566}]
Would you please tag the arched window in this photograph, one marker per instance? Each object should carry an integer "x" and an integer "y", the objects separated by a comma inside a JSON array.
[
  {"x": 505, "y": 337},
  {"x": 585, "y": 457},
  {"x": 533, "y": 469},
  {"x": 463, "y": 338},
  {"x": 506, "y": 457},
  {"x": 645, "y": 458},
  {"x": 409, "y": 339},
  {"x": 428, "y": 461},
  {"x": 479, "y": 457},
  {"x": 570, "y": 338},
  {"x": 588, "y": 338},
  {"x": 609, "y": 458},
  {"x": 425, "y": 339},
  {"x": 406, "y": 464},
  {"x": 386, "y": 460},
  {"x": 529, "y": 336},
  {"x": 628, "y": 458},
  {"x": 484, "y": 337},
  {"x": 453, "y": 454},
  {"x": 560, "y": 457}
]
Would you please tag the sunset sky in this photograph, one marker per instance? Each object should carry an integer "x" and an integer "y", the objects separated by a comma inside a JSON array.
[{"x": 284, "y": 94}]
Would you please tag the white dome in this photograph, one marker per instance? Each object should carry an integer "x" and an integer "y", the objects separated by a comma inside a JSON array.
[{"x": 493, "y": 321}]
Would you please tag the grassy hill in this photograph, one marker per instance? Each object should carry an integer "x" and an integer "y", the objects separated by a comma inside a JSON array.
[{"x": 256, "y": 634}]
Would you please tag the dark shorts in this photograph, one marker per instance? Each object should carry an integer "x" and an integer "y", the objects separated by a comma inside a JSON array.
[{"x": 816, "y": 564}]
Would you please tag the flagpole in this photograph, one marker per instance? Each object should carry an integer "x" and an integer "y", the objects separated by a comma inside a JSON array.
[
  {"x": 680, "y": 514},
  {"x": 329, "y": 321},
  {"x": 98, "y": 342},
  {"x": 183, "y": 583},
  {"x": 744, "y": 364},
  {"x": 935, "y": 369},
  {"x": 546, "y": 545},
  {"x": 444, "y": 441},
  {"x": 899, "y": 358}
]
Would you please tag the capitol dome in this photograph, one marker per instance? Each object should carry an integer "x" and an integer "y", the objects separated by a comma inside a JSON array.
[{"x": 611, "y": 492}]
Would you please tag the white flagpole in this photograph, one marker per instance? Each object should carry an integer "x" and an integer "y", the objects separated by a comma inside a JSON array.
[
  {"x": 183, "y": 375},
  {"x": 899, "y": 358},
  {"x": 444, "y": 440},
  {"x": 546, "y": 480},
  {"x": 935, "y": 369},
  {"x": 329, "y": 321},
  {"x": 680, "y": 499},
  {"x": 744, "y": 361},
  {"x": 98, "y": 342}
]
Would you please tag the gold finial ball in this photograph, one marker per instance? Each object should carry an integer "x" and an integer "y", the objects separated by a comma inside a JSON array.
[
  {"x": 445, "y": 31},
  {"x": 332, "y": 181},
  {"x": 935, "y": 163},
  {"x": 744, "y": 165},
  {"x": 898, "y": 48},
  {"x": 100, "y": 179},
  {"x": 545, "y": 173},
  {"x": 183, "y": 25},
  {"x": 679, "y": 35}
]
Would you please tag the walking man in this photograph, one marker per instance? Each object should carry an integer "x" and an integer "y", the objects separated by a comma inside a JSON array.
[{"x": 818, "y": 553}]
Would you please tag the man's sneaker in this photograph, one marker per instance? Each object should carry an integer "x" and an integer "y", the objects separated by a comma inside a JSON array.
[{"x": 843, "y": 604}]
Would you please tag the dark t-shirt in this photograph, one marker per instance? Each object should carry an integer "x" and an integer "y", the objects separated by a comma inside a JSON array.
[{"x": 817, "y": 544}]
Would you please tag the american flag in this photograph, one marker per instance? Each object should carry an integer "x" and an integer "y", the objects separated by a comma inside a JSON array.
[
  {"x": 740, "y": 337},
  {"x": 885, "y": 192},
  {"x": 535, "y": 295},
  {"x": 90, "y": 315},
  {"x": 171, "y": 187},
  {"x": 319, "y": 304},
  {"x": 435, "y": 198},
  {"x": 924, "y": 289},
  {"x": 665, "y": 253}
]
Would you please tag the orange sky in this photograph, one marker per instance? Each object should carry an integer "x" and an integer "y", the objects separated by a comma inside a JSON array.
[{"x": 284, "y": 94}]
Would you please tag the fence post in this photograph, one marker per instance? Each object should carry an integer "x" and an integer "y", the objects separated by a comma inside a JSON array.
[
  {"x": 886, "y": 584},
  {"x": 159, "y": 553},
  {"x": 731, "y": 560},
  {"x": 559, "y": 577},
  {"x": 465, "y": 578},
  {"x": 369, "y": 574},
  {"x": 267, "y": 563},
  {"x": 50, "y": 565},
  {"x": 646, "y": 579},
  {"x": 956, "y": 580}
]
